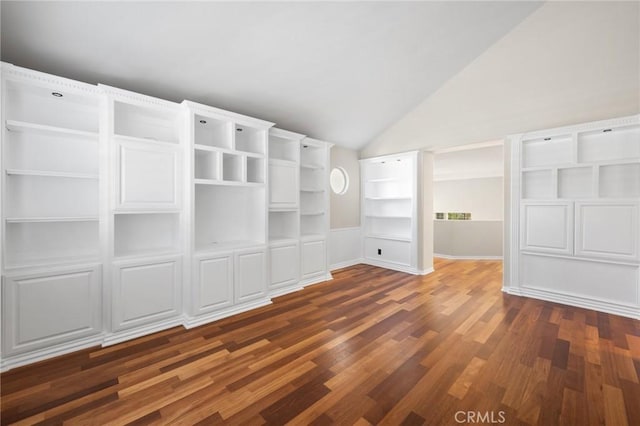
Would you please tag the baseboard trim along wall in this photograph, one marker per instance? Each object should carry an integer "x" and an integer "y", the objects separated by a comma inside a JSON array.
[
  {"x": 446, "y": 256},
  {"x": 575, "y": 300}
]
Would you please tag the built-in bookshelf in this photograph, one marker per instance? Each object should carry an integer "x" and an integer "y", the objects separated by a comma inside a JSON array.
[
  {"x": 389, "y": 210},
  {"x": 578, "y": 214},
  {"x": 51, "y": 173}
]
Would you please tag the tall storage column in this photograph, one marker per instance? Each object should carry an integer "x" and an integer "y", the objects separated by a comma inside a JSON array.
[
  {"x": 390, "y": 212},
  {"x": 51, "y": 252},
  {"x": 227, "y": 197},
  {"x": 146, "y": 214},
  {"x": 314, "y": 211},
  {"x": 284, "y": 210}
]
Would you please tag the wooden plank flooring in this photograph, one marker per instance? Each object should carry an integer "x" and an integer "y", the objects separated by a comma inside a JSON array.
[{"x": 370, "y": 347}]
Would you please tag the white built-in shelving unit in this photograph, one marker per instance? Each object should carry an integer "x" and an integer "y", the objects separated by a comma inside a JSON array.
[
  {"x": 51, "y": 219},
  {"x": 284, "y": 211},
  {"x": 314, "y": 210},
  {"x": 576, "y": 236},
  {"x": 145, "y": 211},
  {"x": 228, "y": 204},
  {"x": 124, "y": 214},
  {"x": 389, "y": 211}
]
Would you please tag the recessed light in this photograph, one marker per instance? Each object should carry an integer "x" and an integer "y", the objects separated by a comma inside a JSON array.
[
  {"x": 203, "y": 121},
  {"x": 56, "y": 94},
  {"x": 547, "y": 139},
  {"x": 305, "y": 146},
  {"x": 239, "y": 129},
  {"x": 606, "y": 130}
]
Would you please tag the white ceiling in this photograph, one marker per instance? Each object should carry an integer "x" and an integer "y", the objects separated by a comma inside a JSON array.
[{"x": 341, "y": 72}]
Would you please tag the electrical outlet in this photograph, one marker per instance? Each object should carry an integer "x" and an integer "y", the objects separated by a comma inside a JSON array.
[{"x": 379, "y": 252}]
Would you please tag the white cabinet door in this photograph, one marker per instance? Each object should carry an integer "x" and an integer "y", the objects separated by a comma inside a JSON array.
[
  {"x": 147, "y": 176},
  {"x": 547, "y": 227},
  {"x": 46, "y": 309},
  {"x": 283, "y": 185},
  {"x": 250, "y": 275},
  {"x": 213, "y": 279},
  {"x": 145, "y": 292},
  {"x": 314, "y": 258},
  {"x": 284, "y": 265},
  {"x": 607, "y": 230}
]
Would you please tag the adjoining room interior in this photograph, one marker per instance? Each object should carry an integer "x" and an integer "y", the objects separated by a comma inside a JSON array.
[{"x": 320, "y": 213}]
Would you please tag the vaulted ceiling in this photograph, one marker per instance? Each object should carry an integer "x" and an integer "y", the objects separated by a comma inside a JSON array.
[{"x": 338, "y": 71}]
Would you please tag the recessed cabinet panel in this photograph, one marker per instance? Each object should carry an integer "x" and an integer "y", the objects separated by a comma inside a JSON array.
[
  {"x": 213, "y": 280},
  {"x": 45, "y": 309},
  {"x": 145, "y": 292},
  {"x": 283, "y": 185},
  {"x": 388, "y": 250},
  {"x": 591, "y": 280},
  {"x": 607, "y": 230},
  {"x": 314, "y": 255},
  {"x": 250, "y": 268},
  {"x": 547, "y": 227},
  {"x": 284, "y": 262},
  {"x": 147, "y": 177}
]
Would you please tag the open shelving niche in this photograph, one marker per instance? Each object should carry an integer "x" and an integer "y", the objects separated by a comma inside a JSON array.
[
  {"x": 229, "y": 154},
  {"x": 50, "y": 171},
  {"x": 582, "y": 182},
  {"x": 389, "y": 210}
]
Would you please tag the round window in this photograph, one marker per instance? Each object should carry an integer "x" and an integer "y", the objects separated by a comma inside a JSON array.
[{"x": 339, "y": 180}]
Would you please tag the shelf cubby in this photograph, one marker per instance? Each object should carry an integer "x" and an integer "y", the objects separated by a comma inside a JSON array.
[
  {"x": 206, "y": 164},
  {"x": 227, "y": 214},
  {"x": 389, "y": 207},
  {"x": 46, "y": 196},
  {"x": 575, "y": 182},
  {"x": 620, "y": 181},
  {"x": 232, "y": 168},
  {"x": 42, "y": 242},
  {"x": 538, "y": 184},
  {"x": 49, "y": 152},
  {"x": 609, "y": 144},
  {"x": 146, "y": 122},
  {"x": 140, "y": 234},
  {"x": 547, "y": 151},
  {"x": 391, "y": 227},
  {"x": 58, "y": 109},
  {"x": 255, "y": 170},
  {"x": 283, "y": 225},
  {"x": 213, "y": 132},
  {"x": 285, "y": 149},
  {"x": 249, "y": 139}
]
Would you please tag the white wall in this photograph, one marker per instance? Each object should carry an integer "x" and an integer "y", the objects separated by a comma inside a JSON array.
[
  {"x": 482, "y": 197},
  {"x": 568, "y": 62}
]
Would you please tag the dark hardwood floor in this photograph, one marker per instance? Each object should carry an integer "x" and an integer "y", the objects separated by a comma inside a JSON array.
[{"x": 370, "y": 347}]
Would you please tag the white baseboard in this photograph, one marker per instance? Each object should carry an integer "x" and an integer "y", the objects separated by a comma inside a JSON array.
[
  {"x": 122, "y": 336},
  {"x": 575, "y": 300},
  {"x": 397, "y": 267},
  {"x": 50, "y": 352},
  {"x": 346, "y": 264},
  {"x": 316, "y": 280},
  {"x": 277, "y": 292},
  {"x": 447, "y": 256},
  {"x": 191, "y": 322}
]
